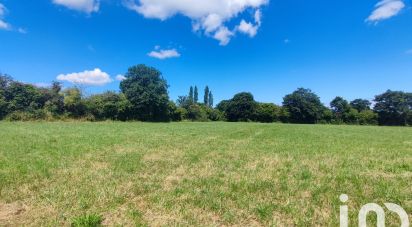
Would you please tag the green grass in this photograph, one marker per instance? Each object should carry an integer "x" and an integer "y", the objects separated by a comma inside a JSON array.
[{"x": 199, "y": 173}]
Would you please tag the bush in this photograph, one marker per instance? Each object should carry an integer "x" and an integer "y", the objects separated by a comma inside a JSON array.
[
  {"x": 19, "y": 116},
  {"x": 368, "y": 117},
  {"x": 196, "y": 113},
  {"x": 267, "y": 112}
]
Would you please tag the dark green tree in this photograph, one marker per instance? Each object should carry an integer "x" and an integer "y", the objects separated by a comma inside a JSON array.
[
  {"x": 196, "y": 95},
  {"x": 340, "y": 108},
  {"x": 360, "y": 104},
  {"x": 393, "y": 107},
  {"x": 206, "y": 96},
  {"x": 268, "y": 112},
  {"x": 241, "y": 108},
  {"x": 191, "y": 95},
  {"x": 303, "y": 106},
  {"x": 146, "y": 90},
  {"x": 210, "y": 99},
  {"x": 109, "y": 106}
]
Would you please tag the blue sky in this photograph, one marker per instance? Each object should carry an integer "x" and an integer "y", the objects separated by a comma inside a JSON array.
[{"x": 351, "y": 48}]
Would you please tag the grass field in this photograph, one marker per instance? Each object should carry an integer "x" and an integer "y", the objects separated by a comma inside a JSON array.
[{"x": 199, "y": 173}]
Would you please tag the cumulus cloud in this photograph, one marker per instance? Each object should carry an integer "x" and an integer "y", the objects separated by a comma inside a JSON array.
[
  {"x": 87, "y": 6},
  {"x": 210, "y": 17},
  {"x": 386, "y": 9},
  {"x": 120, "y": 77},
  {"x": 93, "y": 78},
  {"x": 3, "y": 24},
  {"x": 247, "y": 28},
  {"x": 164, "y": 54}
]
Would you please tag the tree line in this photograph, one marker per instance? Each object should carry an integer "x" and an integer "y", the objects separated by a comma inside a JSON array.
[{"x": 144, "y": 96}]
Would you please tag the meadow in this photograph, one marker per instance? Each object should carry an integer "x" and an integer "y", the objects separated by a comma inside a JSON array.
[{"x": 203, "y": 174}]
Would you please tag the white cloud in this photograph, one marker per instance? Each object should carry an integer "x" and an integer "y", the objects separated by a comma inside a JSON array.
[
  {"x": 386, "y": 9},
  {"x": 223, "y": 35},
  {"x": 163, "y": 54},
  {"x": 247, "y": 28},
  {"x": 87, "y": 6},
  {"x": 208, "y": 16},
  {"x": 120, "y": 77},
  {"x": 3, "y": 24},
  {"x": 92, "y": 78}
]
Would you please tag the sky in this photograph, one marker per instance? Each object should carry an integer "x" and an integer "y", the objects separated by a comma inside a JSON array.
[{"x": 353, "y": 49}]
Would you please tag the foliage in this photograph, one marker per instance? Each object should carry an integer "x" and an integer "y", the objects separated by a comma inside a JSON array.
[
  {"x": 242, "y": 107},
  {"x": 393, "y": 107},
  {"x": 144, "y": 97},
  {"x": 206, "y": 96},
  {"x": 367, "y": 117},
  {"x": 196, "y": 95},
  {"x": 146, "y": 90},
  {"x": 74, "y": 104},
  {"x": 109, "y": 106},
  {"x": 304, "y": 106},
  {"x": 268, "y": 112},
  {"x": 361, "y": 104}
]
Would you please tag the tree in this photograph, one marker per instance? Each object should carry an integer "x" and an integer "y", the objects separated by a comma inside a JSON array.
[
  {"x": 183, "y": 102},
  {"x": 191, "y": 95},
  {"x": 393, "y": 107},
  {"x": 73, "y": 103},
  {"x": 268, "y": 112},
  {"x": 339, "y": 105},
  {"x": 109, "y": 105},
  {"x": 223, "y": 105},
  {"x": 210, "y": 99},
  {"x": 196, "y": 113},
  {"x": 146, "y": 90},
  {"x": 368, "y": 117},
  {"x": 304, "y": 106},
  {"x": 23, "y": 97},
  {"x": 196, "y": 95},
  {"x": 206, "y": 96},
  {"x": 360, "y": 104},
  {"x": 340, "y": 108},
  {"x": 241, "y": 108},
  {"x": 5, "y": 81},
  {"x": 55, "y": 102}
]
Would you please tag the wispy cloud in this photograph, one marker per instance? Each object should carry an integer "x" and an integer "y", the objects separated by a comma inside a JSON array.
[
  {"x": 86, "y": 6},
  {"x": 164, "y": 54},
  {"x": 386, "y": 9},
  {"x": 95, "y": 77},
  {"x": 22, "y": 30},
  {"x": 3, "y": 24},
  {"x": 408, "y": 51}
]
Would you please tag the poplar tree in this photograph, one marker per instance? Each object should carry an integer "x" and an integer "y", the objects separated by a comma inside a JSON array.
[
  {"x": 206, "y": 96},
  {"x": 196, "y": 95},
  {"x": 191, "y": 98},
  {"x": 210, "y": 99}
]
